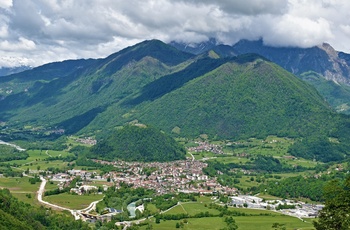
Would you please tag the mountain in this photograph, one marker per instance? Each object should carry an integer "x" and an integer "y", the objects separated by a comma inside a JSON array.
[
  {"x": 4, "y": 71},
  {"x": 321, "y": 59},
  {"x": 177, "y": 92},
  {"x": 331, "y": 67},
  {"x": 195, "y": 48},
  {"x": 242, "y": 97},
  {"x": 71, "y": 94}
]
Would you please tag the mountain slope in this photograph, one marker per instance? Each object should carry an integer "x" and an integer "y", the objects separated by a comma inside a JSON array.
[
  {"x": 320, "y": 59},
  {"x": 241, "y": 99},
  {"x": 331, "y": 66},
  {"x": 73, "y": 100}
]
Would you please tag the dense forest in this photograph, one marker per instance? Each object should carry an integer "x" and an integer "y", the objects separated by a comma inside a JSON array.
[{"x": 134, "y": 143}]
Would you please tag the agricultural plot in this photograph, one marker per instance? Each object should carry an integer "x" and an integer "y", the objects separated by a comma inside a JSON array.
[
  {"x": 38, "y": 160},
  {"x": 73, "y": 201}
]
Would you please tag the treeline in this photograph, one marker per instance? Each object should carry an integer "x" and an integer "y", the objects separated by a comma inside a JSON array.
[
  {"x": 57, "y": 143},
  {"x": 297, "y": 187},
  {"x": 9, "y": 153},
  {"x": 7, "y": 171},
  {"x": 320, "y": 149},
  {"x": 16, "y": 214},
  {"x": 259, "y": 163},
  {"x": 133, "y": 143}
]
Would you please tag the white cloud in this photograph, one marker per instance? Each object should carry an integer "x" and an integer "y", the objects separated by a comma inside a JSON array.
[
  {"x": 5, "y": 3},
  {"x": 62, "y": 29},
  {"x": 22, "y": 44}
]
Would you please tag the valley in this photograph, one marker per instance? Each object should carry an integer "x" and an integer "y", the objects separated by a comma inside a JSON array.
[
  {"x": 151, "y": 180},
  {"x": 152, "y": 137}
]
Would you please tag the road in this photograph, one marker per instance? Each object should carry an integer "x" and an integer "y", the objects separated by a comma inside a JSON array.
[
  {"x": 75, "y": 213},
  {"x": 192, "y": 157}
]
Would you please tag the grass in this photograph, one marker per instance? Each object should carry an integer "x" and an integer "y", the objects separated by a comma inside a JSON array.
[
  {"x": 243, "y": 223},
  {"x": 73, "y": 201},
  {"x": 253, "y": 219},
  {"x": 18, "y": 184},
  {"x": 212, "y": 223},
  {"x": 268, "y": 197},
  {"x": 20, "y": 187},
  {"x": 37, "y": 158},
  {"x": 272, "y": 146},
  {"x": 265, "y": 222}
]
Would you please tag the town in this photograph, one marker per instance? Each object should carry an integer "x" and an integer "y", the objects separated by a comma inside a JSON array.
[{"x": 183, "y": 176}]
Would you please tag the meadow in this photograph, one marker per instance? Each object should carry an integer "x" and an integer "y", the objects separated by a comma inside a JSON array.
[
  {"x": 73, "y": 201},
  {"x": 252, "y": 219},
  {"x": 21, "y": 188}
]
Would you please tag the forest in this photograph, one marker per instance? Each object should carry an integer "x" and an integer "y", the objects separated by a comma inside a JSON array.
[{"x": 133, "y": 143}]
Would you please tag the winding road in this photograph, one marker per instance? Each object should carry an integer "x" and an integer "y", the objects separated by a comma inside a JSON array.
[{"x": 75, "y": 213}]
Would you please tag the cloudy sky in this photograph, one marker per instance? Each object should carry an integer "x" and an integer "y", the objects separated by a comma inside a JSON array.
[{"x": 34, "y": 32}]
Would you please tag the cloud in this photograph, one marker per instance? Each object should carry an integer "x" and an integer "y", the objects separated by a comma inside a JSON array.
[
  {"x": 247, "y": 7},
  {"x": 22, "y": 44},
  {"x": 5, "y": 3},
  {"x": 42, "y": 31}
]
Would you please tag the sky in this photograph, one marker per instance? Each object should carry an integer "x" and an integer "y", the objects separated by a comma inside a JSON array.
[{"x": 35, "y": 32}]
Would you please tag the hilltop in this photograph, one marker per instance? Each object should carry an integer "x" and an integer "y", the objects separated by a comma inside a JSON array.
[{"x": 134, "y": 143}]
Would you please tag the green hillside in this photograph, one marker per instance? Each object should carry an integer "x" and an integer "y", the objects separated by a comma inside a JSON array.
[
  {"x": 240, "y": 100},
  {"x": 337, "y": 95},
  {"x": 134, "y": 143},
  {"x": 72, "y": 101},
  {"x": 151, "y": 82}
]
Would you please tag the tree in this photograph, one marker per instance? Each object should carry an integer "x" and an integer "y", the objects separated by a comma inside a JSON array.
[
  {"x": 157, "y": 220},
  {"x": 278, "y": 226},
  {"x": 335, "y": 214},
  {"x": 231, "y": 223}
]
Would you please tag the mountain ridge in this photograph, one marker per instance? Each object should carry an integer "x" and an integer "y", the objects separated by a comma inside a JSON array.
[{"x": 186, "y": 95}]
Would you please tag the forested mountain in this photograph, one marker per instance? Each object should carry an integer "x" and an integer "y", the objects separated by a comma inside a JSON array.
[
  {"x": 331, "y": 67},
  {"x": 180, "y": 93},
  {"x": 72, "y": 99},
  {"x": 134, "y": 143}
]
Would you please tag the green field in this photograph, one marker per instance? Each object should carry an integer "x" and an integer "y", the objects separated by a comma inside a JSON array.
[
  {"x": 191, "y": 209},
  {"x": 73, "y": 201},
  {"x": 19, "y": 184},
  {"x": 212, "y": 223},
  {"x": 38, "y": 159},
  {"x": 20, "y": 188},
  {"x": 243, "y": 223},
  {"x": 252, "y": 219}
]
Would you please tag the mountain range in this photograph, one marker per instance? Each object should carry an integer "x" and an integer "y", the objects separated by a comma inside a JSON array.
[
  {"x": 321, "y": 66},
  {"x": 223, "y": 92}
]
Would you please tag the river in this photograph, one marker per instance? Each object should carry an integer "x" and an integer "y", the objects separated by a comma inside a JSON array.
[
  {"x": 12, "y": 145},
  {"x": 132, "y": 208}
]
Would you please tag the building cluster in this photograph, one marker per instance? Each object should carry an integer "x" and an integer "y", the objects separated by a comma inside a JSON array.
[
  {"x": 86, "y": 140},
  {"x": 206, "y": 147},
  {"x": 301, "y": 209},
  {"x": 177, "y": 176}
]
